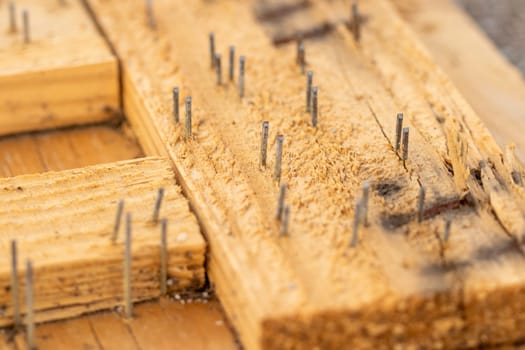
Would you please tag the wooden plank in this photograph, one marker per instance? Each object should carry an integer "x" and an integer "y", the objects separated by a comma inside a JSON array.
[
  {"x": 294, "y": 291},
  {"x": 42, "y": 212},
  {"x": 66, "y": 75},
  {"x": 493, "y": 86},
  {"x": 65, "y": 149},
  {"x": 157, "y": 325}
]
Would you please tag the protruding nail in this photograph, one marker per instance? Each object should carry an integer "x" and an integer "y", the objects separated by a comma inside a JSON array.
[
  {"x": 242, "y": 62},
  {"x": 421, "y": 204},
  {"x": 163, "y": 257},
  {"x": 284, "y": 220},
  {"x": 218, "y": 68},
  {"x": 14, "y": 285},
  {"x": 264, "y": 143},
  {"x": 118, "y": 219},
  {"x": 280, "y": 202},
  {"x": 232, "y": 63},
  {"x": 278, "y": 158},
  {"x": 366, "y": 194},
  {"x": 149, "y": 14},
  {"x": 357, "y": 220},
  {"x": 27, "y": 32},
  {"x": 356, "y": 25},
  {"x": 212, "y": 49},
  {"x": 158, "y": 203},
  {"x": 314, "y": 106},
  {"x": 128, "y": 304},
  {"x": 302, "y": 58},
  {"x": 300, "y": 43},
  {"x": 446, "y": 234},
  {"x": 12, "y": 16},
  {"x": 399, "y": 130},
  {"x": 309, "y": 81},
  {"x": 188, "y": 118},
  {"x": 30, "y": 311},
  {"x": 176, "y": 104},
  {"x": 405, "y": 145}
]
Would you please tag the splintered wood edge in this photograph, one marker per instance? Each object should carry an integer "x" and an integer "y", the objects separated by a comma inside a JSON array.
[
  {"x": 65, "y": 76},
  {"x": 63, "y": 222}
]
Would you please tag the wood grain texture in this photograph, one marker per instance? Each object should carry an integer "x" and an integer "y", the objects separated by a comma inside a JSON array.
[
  {"x": 494, "y": 88},
  {"x": 65, "y": 149},
  {"x": 66, "y": 75},
  {"x": 63, "y": 222},
  {"x": 157, "y": 325},
  {"x": 309, "y": 288}
]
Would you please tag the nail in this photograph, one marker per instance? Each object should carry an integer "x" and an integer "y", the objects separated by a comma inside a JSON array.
[
  {"x": 264, "y": 143},
  {"x": 218, "y": 68},
  {"x": 30, "y": 318},
  {"x": 14, "y": 284},
  {"x": 212, "y": 49},
  {"x": 232, "y": 62},
  {"x": 446, "y": 235},
  {"x": 149, "y": 14},
  {"x": 163, "y": 257},
  {"x": 176, "y": 104},
  {"x": 158, "y": 203},
  {"x": 366, "y": 194},
  {"x": 399, "y": 130},
  {"x": 128, "y": 305},
  {"x": 12, "y": 16},
  {"x": 188, "y": 118},
  {"x": 356, "y": 22},
  {"x": 299, "y": 41},
  {"x": 280, "y": 203},
  {"x": 357, "y": 220},
  {"x": 278, "y": 158},
  {"x": 27, "y": 34},
  {"x": 309, "y": 80},
  {"x": 405, "y": 145},
  {"x": 420, "y": 204},
  {"x": 314, "y": 106},
  {"x": 242, "y": 62},
  {"x": 302, "y": 59},
  {"x": 284, "y": 220},
  {"x": 118, "y": 219}
]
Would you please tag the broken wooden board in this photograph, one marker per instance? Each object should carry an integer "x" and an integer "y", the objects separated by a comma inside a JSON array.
[
  {"x": 309, "y": 288},
  {"x": 157, "y": 325},
  {"x": 494, "y": 87},
  {"x": 63, "y": 222},
  {"x": 65, "y": 75}
]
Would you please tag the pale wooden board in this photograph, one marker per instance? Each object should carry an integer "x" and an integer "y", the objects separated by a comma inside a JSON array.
[
  {"x": 65, "y": 149},
  {"x": 293, "y": 291},
  {"x": 157, "y": 325},
  {"x": 66, "y": 75},
  {"x": 63, "y": 222},
  {"x": 494, "y": 88}
]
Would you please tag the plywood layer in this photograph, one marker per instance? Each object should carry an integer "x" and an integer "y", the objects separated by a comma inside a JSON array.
[
  {"x": 403, "y": 285},
  {"x": 65, "y": 74},
  {"x": 63, "y": 222}
]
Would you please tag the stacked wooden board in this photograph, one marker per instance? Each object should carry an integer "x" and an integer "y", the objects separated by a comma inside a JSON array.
[{"x": 404, "y": 284}]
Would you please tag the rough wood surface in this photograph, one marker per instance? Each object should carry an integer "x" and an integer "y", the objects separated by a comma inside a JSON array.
[
  {"x": 494, "y": 88},
  {"x": 66, "y": 75},
  {"x": 63, "y": 222},
  {"x": 159, "y": 325},
  {"x": 309, "y": 288}
]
